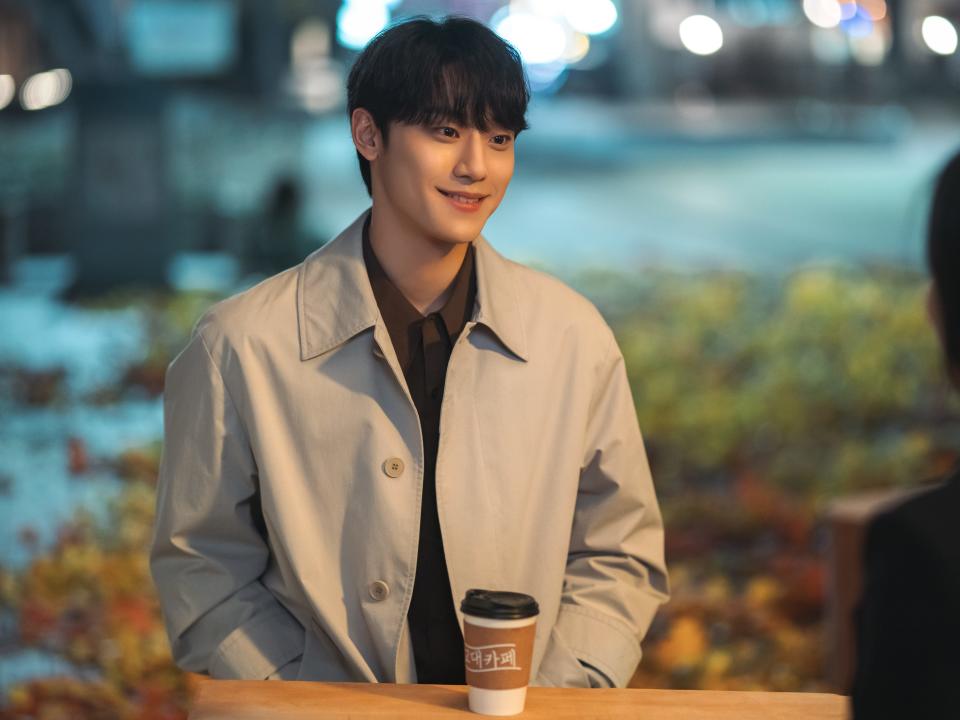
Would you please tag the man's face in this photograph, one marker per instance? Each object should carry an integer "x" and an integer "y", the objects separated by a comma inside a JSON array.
[{"x": 420, "y": 172}]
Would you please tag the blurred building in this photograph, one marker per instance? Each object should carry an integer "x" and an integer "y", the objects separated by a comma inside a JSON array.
[{"x": 133, "y": 130}]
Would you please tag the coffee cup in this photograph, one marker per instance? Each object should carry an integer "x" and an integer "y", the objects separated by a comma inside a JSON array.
[{"x": 498, "y": 635}]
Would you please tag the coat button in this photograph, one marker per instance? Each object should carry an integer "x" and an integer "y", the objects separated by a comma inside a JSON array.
[
  {"x": 393, "y": 467},
  {"x": 379, "y": 590}
]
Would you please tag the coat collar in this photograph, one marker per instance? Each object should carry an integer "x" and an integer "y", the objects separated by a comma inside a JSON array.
[{"x": 335, "y": 300}]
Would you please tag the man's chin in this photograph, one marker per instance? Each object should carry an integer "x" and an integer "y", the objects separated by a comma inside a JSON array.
[
  {"x": 451, "y": 240},
  {"x": 453, "y": 233}
]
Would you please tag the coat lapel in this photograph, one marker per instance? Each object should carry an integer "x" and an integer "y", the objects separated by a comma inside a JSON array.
[{"x": 334, "y": 297}]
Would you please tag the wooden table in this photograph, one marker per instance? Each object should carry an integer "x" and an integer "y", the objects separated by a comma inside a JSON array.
[{"x": 288, "y": 700}]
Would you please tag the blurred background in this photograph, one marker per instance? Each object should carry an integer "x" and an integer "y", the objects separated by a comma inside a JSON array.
[{"x": 741, "y": 186}]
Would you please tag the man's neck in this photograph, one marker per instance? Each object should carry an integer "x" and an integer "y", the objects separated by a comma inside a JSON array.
[{"x": 421, "y": 268}]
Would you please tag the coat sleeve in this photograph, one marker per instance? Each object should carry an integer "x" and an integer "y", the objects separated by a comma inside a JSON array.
[
  {"x": 616, "y": 576},
  {"x": 208, "y": 550}
]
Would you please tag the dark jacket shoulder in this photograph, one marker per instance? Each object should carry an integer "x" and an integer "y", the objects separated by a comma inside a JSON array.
[
  {"x": 930, "y": 520},
  {"x": 908, "y": 624}
]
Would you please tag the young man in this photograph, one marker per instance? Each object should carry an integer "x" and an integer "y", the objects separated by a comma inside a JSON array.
[{"x": 355, "y": 442}]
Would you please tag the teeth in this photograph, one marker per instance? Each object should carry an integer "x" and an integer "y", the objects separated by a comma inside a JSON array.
[{"x": 462, "y": 198}]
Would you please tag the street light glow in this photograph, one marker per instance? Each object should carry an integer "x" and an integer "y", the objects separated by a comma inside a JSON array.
[
  {"x": 359, "y": 20},
  {"x": 46, "y": 89},
  {"x": 939, "y": 34},
  {"x": 8, "y": 90},
  {"x": 823, "y": 13},
  {"x": 538, "y": 39},
  {"x": 590, "y": 17},
  {"x": 701, "y": 35}
]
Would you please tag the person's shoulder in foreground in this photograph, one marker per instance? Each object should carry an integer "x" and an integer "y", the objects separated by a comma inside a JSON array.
[
  {"x": 908, "y": 645},
  {"x": 908, "y": 621}
]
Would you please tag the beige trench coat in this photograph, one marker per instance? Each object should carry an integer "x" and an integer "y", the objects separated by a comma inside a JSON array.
[{"x": 290, "y": 481}]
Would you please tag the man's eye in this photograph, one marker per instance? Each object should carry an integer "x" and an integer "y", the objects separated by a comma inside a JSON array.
[
  {"x": 444, "y": 129},
  {"x": 505, "y": 139}
]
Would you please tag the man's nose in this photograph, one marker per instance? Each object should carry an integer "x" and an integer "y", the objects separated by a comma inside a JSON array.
[{"x": 472, "y": 162}]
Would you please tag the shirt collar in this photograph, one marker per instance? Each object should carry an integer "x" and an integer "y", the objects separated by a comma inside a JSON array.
[{"x": 335, "y": 300}]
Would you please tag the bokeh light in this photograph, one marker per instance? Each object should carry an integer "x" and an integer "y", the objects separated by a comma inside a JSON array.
[
  {"x": 577, "y": 48},
  {"x": 701, "y": 35},
  {"x": 311, "y": 40},
  {"x": 591, "y": 17},
  {"x": 876, "y": 8},
  {"x": 870, "y": 49},
  {"x": 46, "y": 89},
  {"x": 358, "y": 21},
  {"x": 8, "y": 90},
  {"x": 823, "y": 13},
  {"x": 538, "y": 39},
  {"x": 848, "y": 10},
  {"x": 859, "y": 24},
  {"x": 939, "y": 34},
  {"x": 546, "y": 78}
]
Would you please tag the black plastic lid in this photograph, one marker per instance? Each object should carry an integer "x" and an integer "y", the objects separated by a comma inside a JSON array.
[{"x": 499, "y": 604}]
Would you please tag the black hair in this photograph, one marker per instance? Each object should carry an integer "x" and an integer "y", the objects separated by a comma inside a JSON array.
[
  {"x": 422, "y": 72},
  {"x": 943, "y": 256}
]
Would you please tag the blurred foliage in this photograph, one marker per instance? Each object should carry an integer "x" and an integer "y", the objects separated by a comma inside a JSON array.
[
  {"x": 90, "y": 600},
  {"x": 168, "y": 319},
  {"x": 760, "y": 399},
  {"x": 822, "y": 382}
]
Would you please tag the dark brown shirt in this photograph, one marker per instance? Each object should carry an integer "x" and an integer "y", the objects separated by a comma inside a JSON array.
[{"x": 423, "y": 345}]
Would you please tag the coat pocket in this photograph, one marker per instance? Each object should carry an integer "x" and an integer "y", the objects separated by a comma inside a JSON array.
[
  {"x": 560, "y": 667},
  {"x": 322, "y": 659},
  {"x": 257, "y": 648}
]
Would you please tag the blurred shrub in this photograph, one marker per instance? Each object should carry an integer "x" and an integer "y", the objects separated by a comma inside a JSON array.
[{"x": 821, "y": 382}]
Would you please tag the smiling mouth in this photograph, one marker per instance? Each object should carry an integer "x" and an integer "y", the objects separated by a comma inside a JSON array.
[{"x": 468, "y": 199}]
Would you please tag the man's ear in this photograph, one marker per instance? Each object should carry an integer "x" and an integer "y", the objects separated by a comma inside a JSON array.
[{"x": 366, "y": 134}]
